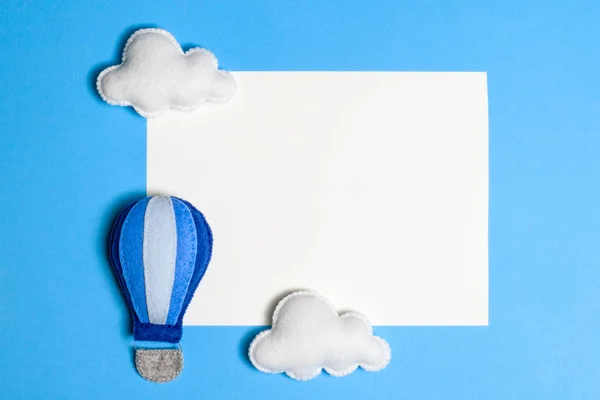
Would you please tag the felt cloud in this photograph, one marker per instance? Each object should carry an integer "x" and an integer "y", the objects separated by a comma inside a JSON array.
[
  {"x": 308, "y": 335},
  {"x": 155, "y": 75}
]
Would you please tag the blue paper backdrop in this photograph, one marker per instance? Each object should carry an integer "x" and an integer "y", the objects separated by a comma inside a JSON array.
[{"x": 68, "y": 162}]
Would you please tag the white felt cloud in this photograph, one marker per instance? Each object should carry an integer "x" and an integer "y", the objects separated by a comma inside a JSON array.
[
  {"x": 308, "y": 335},
  {"x": 155, "y": 75}
]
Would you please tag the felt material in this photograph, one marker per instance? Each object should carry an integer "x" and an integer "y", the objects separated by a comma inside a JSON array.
[
  {"x": 159, "y": 365},
  {"x": 147, "y": 332},
  {"x": 308, "y": 335},
  {"x": 203, "y": 255},
  {"x": 194, "y": 249},
  {"x": 159, "y": 254},
  {"x": 113, "y": 253},
  {"x": 187, "y": 240},
  {"x": 156, "y": 75},
  {"x": 131, "y": 255}
]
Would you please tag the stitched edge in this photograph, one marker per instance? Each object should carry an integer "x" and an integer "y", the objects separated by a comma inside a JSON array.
[
  {"x": 330, "y": 371},
  {"x": 189, "y": 227},
  {"x": 174, "y": 41},
  {"x": 206, "y": 234},
  {"x": 124, "y": 258}
]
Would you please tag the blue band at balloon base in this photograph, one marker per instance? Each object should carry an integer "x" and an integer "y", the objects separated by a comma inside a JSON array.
[{"x": 146, "y": 332}]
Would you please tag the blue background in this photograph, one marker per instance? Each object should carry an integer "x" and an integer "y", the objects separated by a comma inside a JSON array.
[{"x": 68, "y": 162}]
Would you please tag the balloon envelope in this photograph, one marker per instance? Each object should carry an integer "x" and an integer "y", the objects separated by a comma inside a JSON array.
[{"x": 160, "y": 248}]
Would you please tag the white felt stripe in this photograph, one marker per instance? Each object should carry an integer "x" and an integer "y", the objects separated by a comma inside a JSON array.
[{"x": 159, "y": 255}]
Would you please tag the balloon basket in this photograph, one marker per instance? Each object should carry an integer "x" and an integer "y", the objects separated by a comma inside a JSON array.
[{"x": 159, "y": 365}]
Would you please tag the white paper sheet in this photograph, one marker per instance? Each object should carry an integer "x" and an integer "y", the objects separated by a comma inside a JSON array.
[{"x": 370, "y": 188}]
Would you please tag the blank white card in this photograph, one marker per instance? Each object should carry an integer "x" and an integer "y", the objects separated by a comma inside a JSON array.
[{"x": 370, "y": 188}]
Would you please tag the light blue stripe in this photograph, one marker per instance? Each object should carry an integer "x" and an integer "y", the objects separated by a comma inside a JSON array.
[
  {"x": 159, "y": 255},
  {"x": 186, "y": 258},
  {"x": 130, "y": 254}
]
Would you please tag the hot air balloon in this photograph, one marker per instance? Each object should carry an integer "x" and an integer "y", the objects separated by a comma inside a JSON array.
[{"x": 160, "y": 248}]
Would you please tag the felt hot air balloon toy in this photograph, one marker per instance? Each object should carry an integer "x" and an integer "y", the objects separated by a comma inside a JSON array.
[{"x": 160, "y": 248}]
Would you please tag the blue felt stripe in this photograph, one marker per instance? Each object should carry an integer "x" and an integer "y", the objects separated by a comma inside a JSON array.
[
  {"x": 203, "y": 255},
  {"x": 131, "y": 257},
  {"x": 115, "y": 261},
  {"x": 186, "y": 258}
]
